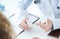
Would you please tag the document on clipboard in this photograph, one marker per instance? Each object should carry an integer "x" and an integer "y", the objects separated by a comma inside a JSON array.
[{"x": 34, "y": 31}]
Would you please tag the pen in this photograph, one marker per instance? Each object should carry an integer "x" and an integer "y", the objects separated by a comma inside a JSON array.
[
  {"x": 36, "y": 20},
  {"x": 20, "y": 33},
  {"x": 32, "y": 23},
  {"x": 11, "y": 16}
]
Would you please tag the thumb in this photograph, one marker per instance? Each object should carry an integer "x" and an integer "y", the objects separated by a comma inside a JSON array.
[{"x": 25, "y": 20}]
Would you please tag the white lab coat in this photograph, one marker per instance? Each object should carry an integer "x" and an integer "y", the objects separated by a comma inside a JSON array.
[
  {"x": 49, "y": 9},
  {"x": 54, "y": 5}
]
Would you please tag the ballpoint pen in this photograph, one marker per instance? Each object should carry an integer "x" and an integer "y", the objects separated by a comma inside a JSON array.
[
  {"x": 11, "y": 16},
  {"x": 32, "y": 23}
]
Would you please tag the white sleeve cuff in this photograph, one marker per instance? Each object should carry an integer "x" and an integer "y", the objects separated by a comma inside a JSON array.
[{"x": 56, "y": 24}]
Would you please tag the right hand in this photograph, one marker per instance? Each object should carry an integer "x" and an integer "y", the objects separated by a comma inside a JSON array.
[
  {"x": 24, "y": 24},
  {"x": 47, "y": 25}
]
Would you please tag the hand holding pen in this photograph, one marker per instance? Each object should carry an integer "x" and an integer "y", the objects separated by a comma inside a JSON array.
[{"x": 24, "y": 24}]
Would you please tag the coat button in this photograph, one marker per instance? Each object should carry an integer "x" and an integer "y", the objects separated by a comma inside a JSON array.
[
  {"x": 37, "y": 1},
  {"x": 58, "y": 7}
]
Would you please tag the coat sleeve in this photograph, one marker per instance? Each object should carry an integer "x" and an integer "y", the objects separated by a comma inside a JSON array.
[{"x": 56, "y": 24}]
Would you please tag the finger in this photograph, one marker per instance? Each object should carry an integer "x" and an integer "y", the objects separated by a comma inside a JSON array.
[
  {"x": 38, "y": 23},
  {"x": 25, "y": 20},
  {"x": 49, "y": 21},
  {"x": 44, "y": 23},
  {"x": 24, "y": 26}
]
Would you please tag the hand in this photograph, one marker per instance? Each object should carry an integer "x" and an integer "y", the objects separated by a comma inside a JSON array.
[
  {"x": 24, "y": 24},
  {"x": 46, "y": 25}
]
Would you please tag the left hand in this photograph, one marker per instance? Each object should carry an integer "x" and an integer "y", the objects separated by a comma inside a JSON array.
[{"x": 47, "y": 25}]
